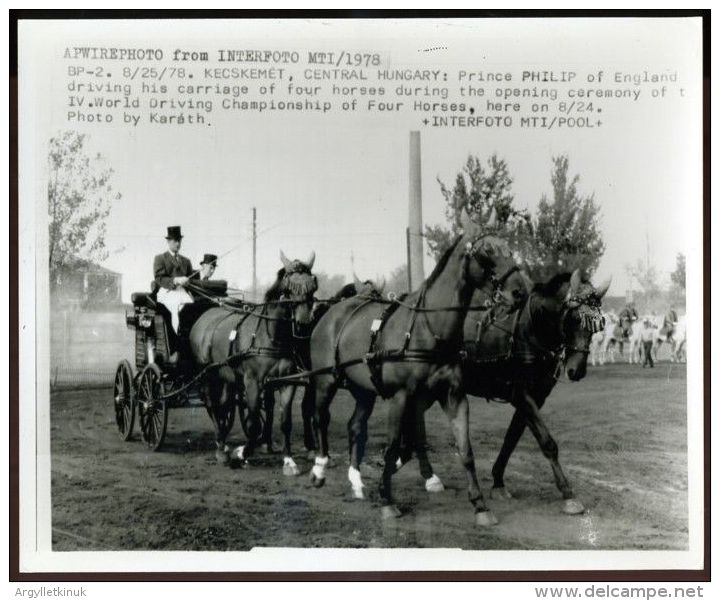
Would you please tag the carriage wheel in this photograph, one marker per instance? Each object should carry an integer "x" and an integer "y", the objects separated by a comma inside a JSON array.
[
  {"x": 124, "y": 400},
  {"x": 152, "y": 411}
]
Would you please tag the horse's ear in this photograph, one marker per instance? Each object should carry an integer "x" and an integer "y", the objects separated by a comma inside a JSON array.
[
  {"x": 526, "y": 279},
  {"x": 470, "y": 228},
  {"x": 358, "y": 283},
  {"x": 310, "y": 260},
  {"x": 602, "y": 289},
  {"x": 381, "y": 286},
  {"x": 285, "y": 261},
  {"x": 575, "y": 280}
]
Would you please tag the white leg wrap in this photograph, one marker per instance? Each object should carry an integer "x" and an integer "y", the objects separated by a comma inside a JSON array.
[
  {"x": 355, "y": 478},
  {"x": 318, "y": 469},
  {"x": 290, "y": 468},
  {"x": 434, "y": 484},
  {"x": 398, "y": 463},
  {"x": 239, "y": 453}
]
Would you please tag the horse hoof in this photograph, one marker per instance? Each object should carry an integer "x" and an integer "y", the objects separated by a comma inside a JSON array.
[
  {"x": 434, "y": 484},
  {"x": 390, "y": 512},
  {"x": 573, "y": 507},
  {"x": 485, "y": 518},
  {"x": 357, "y": 493},
  {"x": 290, "y": 470},
  {"x": 317, "y": 482},
  {"x": 500, "y": 492},
  {"x": 222, "y": 457}
]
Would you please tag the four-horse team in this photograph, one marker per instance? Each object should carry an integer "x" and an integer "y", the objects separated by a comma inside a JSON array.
[{"x": 477, "y": 325}]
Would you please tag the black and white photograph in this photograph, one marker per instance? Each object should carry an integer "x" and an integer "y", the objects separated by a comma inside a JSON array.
[{"x": 375, "y": 294}]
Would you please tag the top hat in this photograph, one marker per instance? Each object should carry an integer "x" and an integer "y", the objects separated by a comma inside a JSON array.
[
  {"x": 209, "y": 259},
  {"x": 174, "y": 233}
]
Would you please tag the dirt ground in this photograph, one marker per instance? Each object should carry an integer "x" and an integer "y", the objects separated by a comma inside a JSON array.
[{"x": 622, "y": 438}]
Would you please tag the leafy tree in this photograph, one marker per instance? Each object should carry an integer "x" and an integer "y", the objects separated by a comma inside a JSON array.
[
  {"x": 678, "y": 276},
  {"x": 328, "y": 284},
  {"x": 646, "y": 276},
  {"x": 565, "y": 233},
  {"x": 79, "y": 200},
  {"x": 478, "y": 190},
  {"x": 398, "y": 280}
]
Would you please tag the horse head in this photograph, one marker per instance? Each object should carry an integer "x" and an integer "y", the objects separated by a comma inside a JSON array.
[
  {"x": 488, "y": 259},
  {"x": 298, "y": 285},
  {"x": 581, "y": 318}
]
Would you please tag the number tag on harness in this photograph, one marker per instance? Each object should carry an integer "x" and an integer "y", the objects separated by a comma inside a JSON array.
[
  {"x": 233, "y": 334},
  {"x": 375, "y": 327}
]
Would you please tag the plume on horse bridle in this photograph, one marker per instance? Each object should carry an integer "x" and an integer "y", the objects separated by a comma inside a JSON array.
[{"x": 298, "y": 280}]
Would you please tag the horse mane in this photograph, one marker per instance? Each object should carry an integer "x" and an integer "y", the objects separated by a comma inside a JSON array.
[
  {"x": 442, "y": 262},
  {"x": 274, "y": 292},
  {"x": 552, "y": 286}
]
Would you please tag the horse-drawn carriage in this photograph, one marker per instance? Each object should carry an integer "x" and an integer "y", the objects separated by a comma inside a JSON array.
[{"x": 155, "y": 384}]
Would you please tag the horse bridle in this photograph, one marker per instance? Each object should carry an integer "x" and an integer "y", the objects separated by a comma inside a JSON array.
[
  {"x": 497, "y": 282},
  {"x": 594, "y": 323}
]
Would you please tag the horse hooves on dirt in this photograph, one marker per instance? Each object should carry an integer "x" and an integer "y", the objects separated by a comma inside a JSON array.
[
  {"x": 290, "y": 470},
  {"x": 221, "y": 457},
  {"x": 485, "y": 518},
  {"x": 434, "y": 484},
  {"x": 573, "y": 507},
  {"x": 390, "y": 512},
  {"x": 316, "y": 482},
  {"x": 500, "y": 492},
  {"x": 358, "y": 493}
]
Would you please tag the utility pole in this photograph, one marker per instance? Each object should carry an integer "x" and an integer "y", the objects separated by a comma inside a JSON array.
[{"x": 254, "y": 254}]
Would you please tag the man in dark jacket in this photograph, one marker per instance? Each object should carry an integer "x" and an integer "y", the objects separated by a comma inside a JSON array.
[{"x": 172, "y": 272}]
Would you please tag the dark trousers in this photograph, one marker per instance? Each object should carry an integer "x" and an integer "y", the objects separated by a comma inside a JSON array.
[{"x": 647, "y": 347}]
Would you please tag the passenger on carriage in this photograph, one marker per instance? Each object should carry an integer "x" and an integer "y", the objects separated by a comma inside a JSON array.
[{"x": 172, "y": 272}]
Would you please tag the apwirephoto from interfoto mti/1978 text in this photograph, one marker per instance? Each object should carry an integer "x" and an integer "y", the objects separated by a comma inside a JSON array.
[{"x": 291, "y": 286}]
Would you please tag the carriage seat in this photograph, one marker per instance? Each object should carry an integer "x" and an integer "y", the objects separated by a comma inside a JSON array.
[{"x": 144, "y": 299}]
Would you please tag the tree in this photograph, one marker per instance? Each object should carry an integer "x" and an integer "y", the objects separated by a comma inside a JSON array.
[
  {"x": 79, "y": 200},
  {"x": 565, "y": 234},
  {"x": 398, "y": 280},
  {"x": 478, "y": 190},
  {"x": 678, "y": 276}
]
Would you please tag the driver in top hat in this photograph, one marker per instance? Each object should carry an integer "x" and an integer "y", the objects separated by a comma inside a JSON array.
[{"x": 172, "y": 272}]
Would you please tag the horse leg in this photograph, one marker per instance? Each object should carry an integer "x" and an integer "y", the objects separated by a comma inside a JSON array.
[
  {"x": 268, "y": 404},
  {"x": 457, "y": 408},
  {"x": 310, "y": 427},
  {"x": 392, "y": 451},
  {"x": 253, "y": 398},
  {"x": 550, "y": 449},
  {"x": 432, "y": 481},
  {"x": 357, "y": 428},
  {"x": 324, "y": 389},
  {"x": 512, "y": 437},
  {"x": 287, "y": 395}
]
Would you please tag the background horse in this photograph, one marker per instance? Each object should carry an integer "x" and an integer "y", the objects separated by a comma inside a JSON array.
[
  {"x": 250, "y": 345},
  {"x": 408, "y": 353}
]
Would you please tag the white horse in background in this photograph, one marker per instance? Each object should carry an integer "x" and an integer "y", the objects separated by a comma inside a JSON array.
[
  {"x": 602, "y": 345},
  {"x": 679, "y": 354}
]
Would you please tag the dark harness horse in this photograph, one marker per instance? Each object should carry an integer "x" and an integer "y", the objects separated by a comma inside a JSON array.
[
  {"x": 243, "y": 347},
  {"x": 409, "y": 355},
  {"x": 518, "y": 356}
]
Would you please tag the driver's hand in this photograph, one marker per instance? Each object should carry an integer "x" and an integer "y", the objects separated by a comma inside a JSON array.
[{"x": 181, "y": 280}]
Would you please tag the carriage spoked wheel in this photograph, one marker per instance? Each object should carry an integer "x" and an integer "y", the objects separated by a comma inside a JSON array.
[
  {"x": 124, "y": 400},
  {"x": 152, "y": 410}
]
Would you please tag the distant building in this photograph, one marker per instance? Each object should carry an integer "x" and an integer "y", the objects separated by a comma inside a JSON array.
[{"x": 88, "y": 286}]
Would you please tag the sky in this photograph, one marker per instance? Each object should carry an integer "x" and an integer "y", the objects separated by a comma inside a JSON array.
[{"x": 337, "y": 184}]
